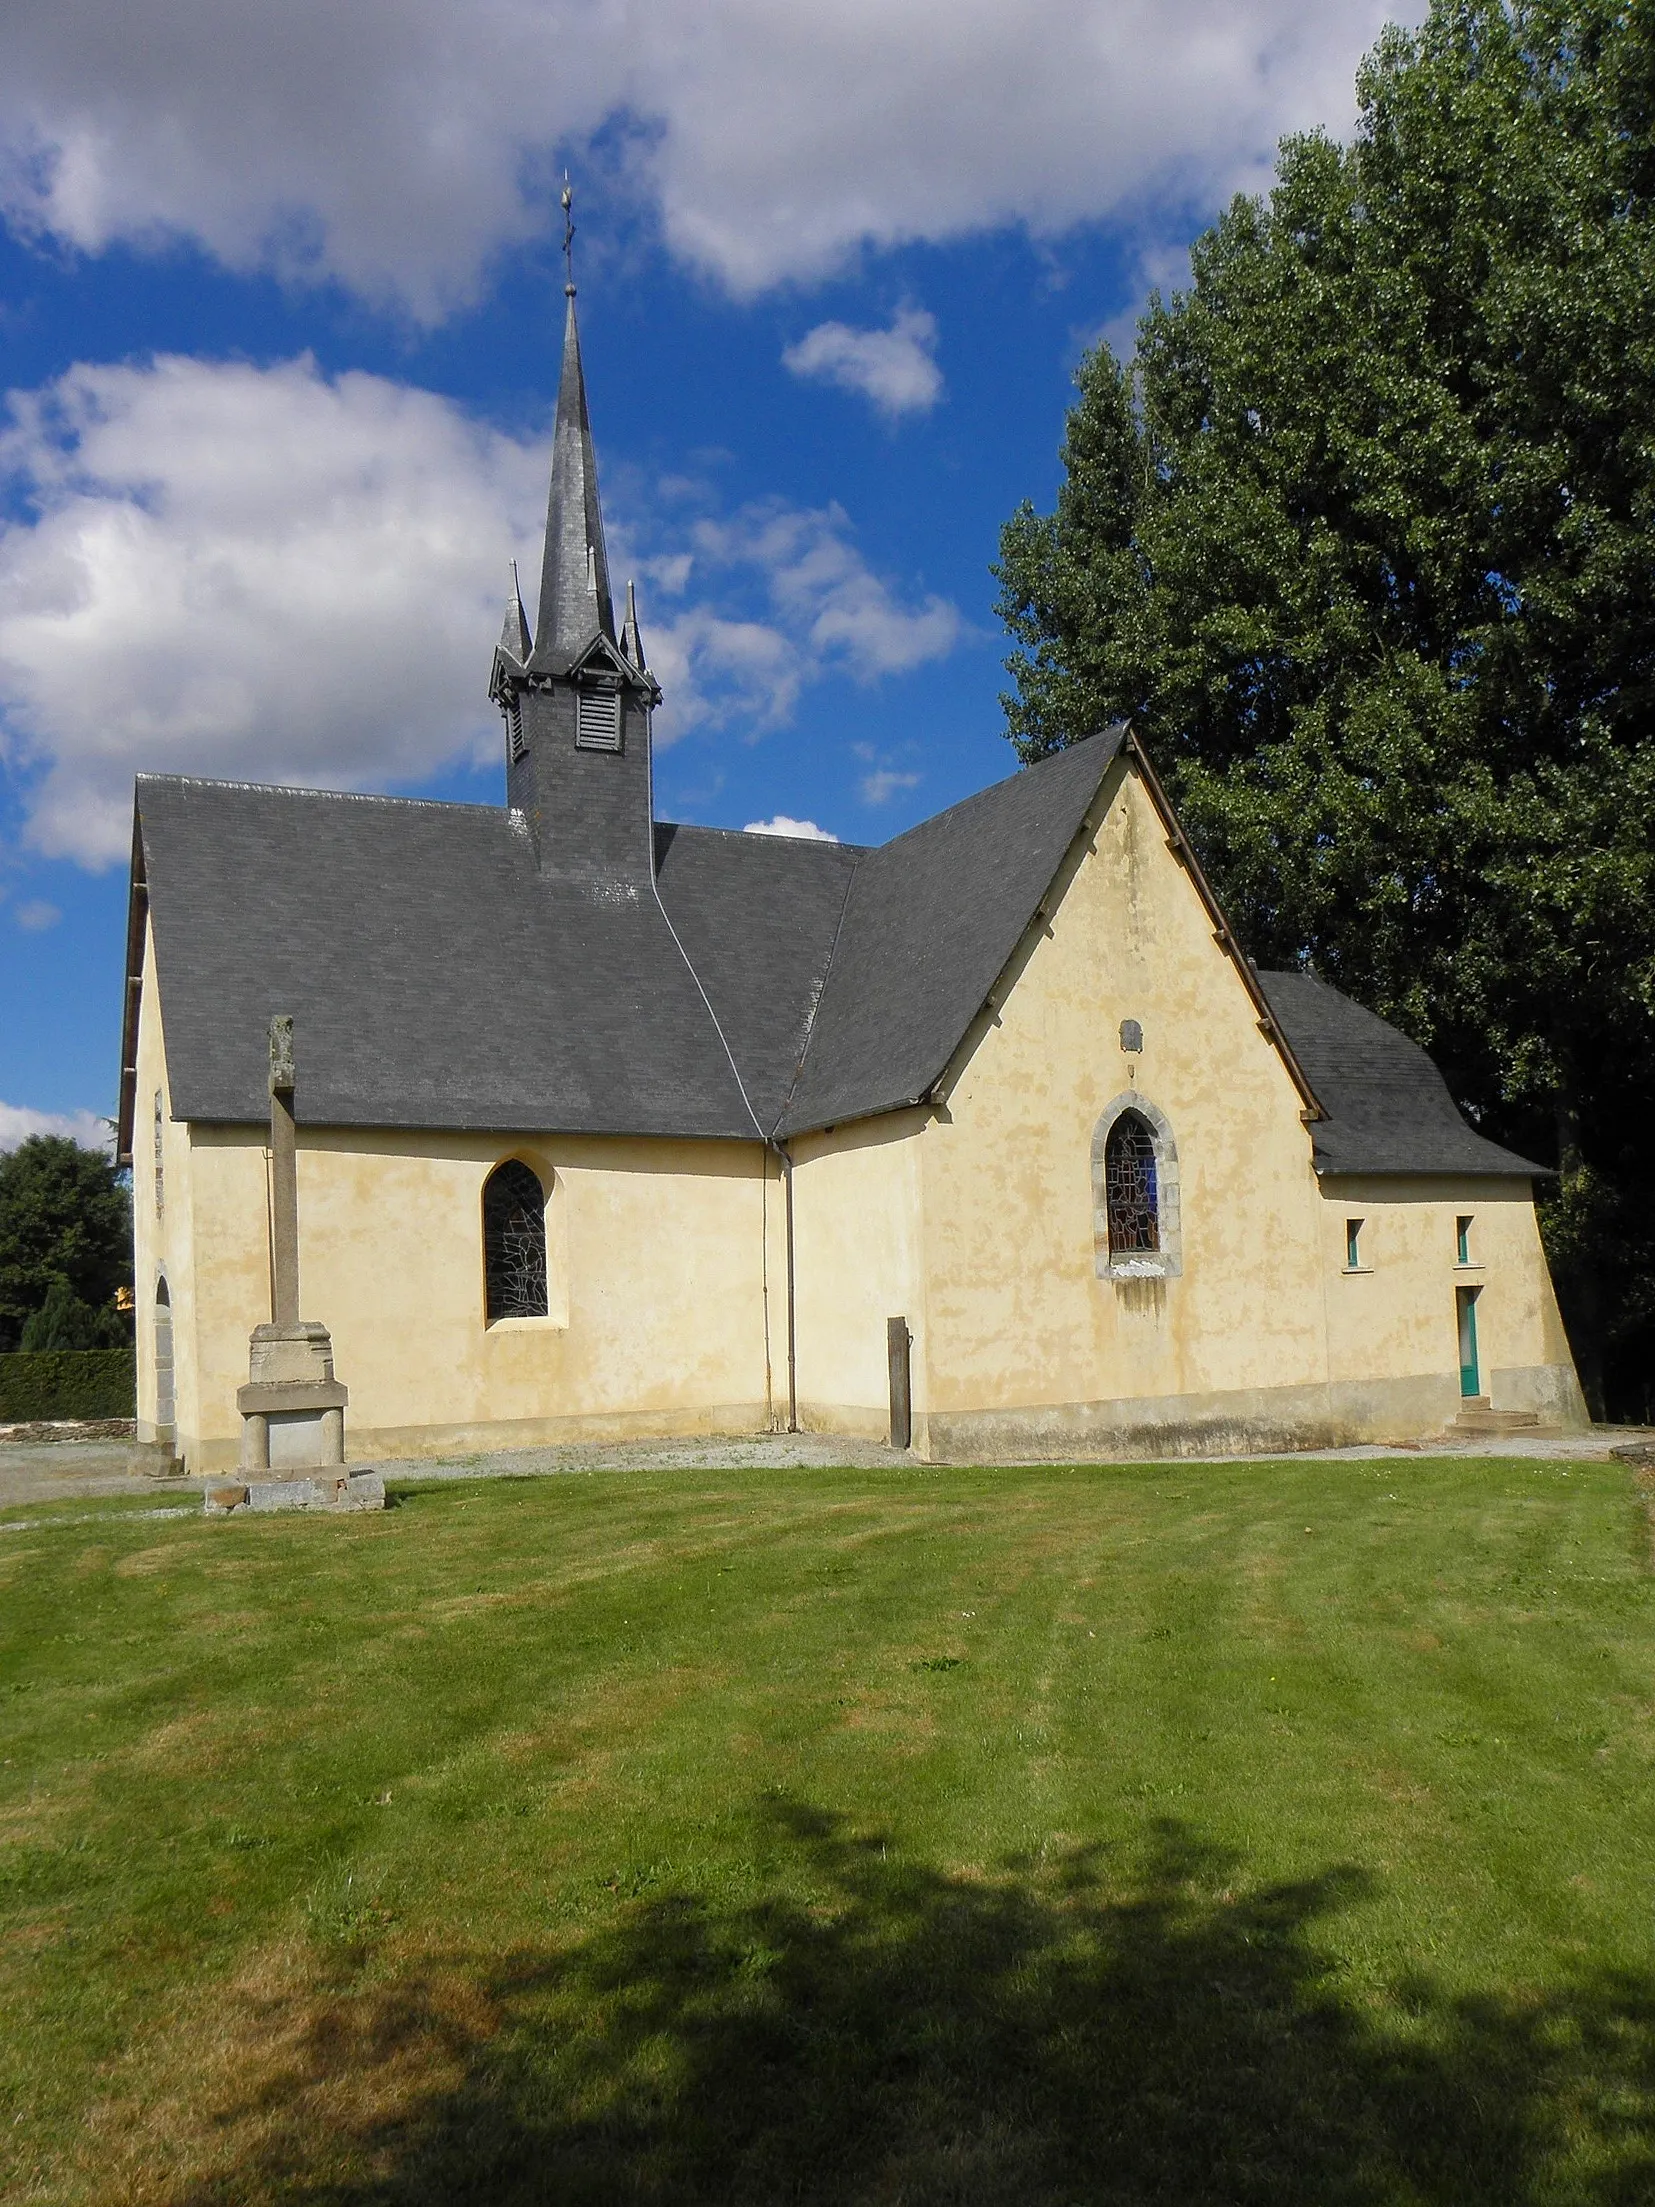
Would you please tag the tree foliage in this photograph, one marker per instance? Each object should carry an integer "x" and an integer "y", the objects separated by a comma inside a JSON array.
[
  {"x": 1363, "y": 542},
  {"x": 65, "y": 1224},
  {"x": 64, "y": 1322}
]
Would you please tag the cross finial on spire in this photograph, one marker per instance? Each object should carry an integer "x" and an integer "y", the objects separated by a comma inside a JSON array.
[{"x": 568, "y": 205}]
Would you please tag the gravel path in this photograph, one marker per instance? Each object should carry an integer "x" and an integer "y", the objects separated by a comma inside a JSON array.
[{"x": 40, "y": 1471}]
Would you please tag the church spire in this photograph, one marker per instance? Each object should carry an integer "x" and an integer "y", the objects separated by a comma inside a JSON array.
[
  {"x": 577, "y": 699},
  {"x": 575, "y": 604}
]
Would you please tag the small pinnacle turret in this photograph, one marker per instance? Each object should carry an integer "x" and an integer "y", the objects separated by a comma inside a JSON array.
[
  {"x": 632, "y": 643},
  {"x": 514, "y": 635}
]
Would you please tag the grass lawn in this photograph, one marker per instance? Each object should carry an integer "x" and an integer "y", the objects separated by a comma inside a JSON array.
[{"x": 1270, "y": 1833}]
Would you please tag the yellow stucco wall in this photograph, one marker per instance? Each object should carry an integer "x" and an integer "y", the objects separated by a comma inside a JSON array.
[
  {"x": 1257, "y": 1337},
  {"x": 164, "y": 1234},
  {"x": 1012, "y": 1280},
  {"x": 1395, "y": 1313},
  {"x": 858, "y": 1261},
  {"x": 657, "y": 1264}
]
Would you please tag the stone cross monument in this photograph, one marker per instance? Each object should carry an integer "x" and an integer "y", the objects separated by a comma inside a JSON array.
[{"x": 292, "y": 1408}]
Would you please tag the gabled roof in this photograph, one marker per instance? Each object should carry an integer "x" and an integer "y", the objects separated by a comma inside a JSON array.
[
  {"x": 1387, "y": 1108},
  {"x": 440, "y": 980}
]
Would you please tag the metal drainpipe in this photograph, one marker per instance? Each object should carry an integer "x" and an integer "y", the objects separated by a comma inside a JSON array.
[{"x": 785, "y": 1156}]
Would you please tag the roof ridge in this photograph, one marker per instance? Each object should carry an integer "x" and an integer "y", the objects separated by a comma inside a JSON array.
[
  {"x": 1017, "y": 776},
  {"x": 304, "y": 789},
  {"x": 824, "y": 842}
]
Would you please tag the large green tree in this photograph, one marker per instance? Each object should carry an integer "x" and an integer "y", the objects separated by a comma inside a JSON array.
[
  {"x": 1362, "y": 540},
  {"x": 65, "y": 1222}
]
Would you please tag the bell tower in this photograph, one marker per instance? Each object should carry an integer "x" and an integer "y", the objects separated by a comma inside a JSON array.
[{"x": 577, "y": 698}]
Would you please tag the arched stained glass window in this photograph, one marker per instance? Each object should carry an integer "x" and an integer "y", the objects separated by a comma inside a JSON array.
[
  {"x": 514, "y": 1243},
  {"x": 1129, "y": 1186}
]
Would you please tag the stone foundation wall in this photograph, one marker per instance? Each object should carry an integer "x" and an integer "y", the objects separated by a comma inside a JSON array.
[
  {"x": 1242, "y": 1421},
  {"x": 389, "y": 1444}
]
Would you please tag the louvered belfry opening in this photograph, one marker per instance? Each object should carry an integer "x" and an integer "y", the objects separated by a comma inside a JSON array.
[
  {"x": 598, "y": 720},
  {"x": 514, "y": 1243},
  {"x": 1130, "y": 1191}
]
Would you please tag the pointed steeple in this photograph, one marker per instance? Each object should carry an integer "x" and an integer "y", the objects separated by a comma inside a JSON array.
[
  {"x": 575, "y": 604},
  {"x": 514, "y": 636},
  {"x": 632, "y": 644},
  {"x": 577, "y": 699}
]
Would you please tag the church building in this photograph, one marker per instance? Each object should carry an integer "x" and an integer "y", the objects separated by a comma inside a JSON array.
[{"x": 989, "y": 1140}]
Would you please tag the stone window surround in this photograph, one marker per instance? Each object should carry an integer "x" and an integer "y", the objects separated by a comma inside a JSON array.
[{"x": 1167, "y": 1262}]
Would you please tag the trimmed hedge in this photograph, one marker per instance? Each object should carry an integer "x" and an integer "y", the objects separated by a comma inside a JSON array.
[{"x": 68, "y": 1383}]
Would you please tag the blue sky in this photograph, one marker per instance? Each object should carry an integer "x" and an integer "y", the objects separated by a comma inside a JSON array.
[{"x": 280, "y": 298}]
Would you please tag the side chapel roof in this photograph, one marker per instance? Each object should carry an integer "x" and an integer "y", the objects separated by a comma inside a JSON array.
[{"x": 1386, "y": 1107}]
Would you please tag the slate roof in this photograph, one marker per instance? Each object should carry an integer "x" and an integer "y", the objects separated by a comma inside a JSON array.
[
  {"x": 439, "y": 980},
  {"x": 1387, "y": 1107},
  {"x": 758, "y": 916}
]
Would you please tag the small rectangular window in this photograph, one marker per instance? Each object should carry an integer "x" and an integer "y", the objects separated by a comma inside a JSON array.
[
  {"x": 1353, "y": 1245},
  {"x": 1462, "y": 1241},
  {"x": 598, "y": 720},
  {"x": 160, "y": 1169},
  {"x": 514, "y": 730}
]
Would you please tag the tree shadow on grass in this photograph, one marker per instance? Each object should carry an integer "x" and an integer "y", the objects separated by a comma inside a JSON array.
[{"x": 1066, "y": 2033}]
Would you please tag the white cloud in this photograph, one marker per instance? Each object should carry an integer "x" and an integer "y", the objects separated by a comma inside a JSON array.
[
  {"x": 397, "y": 145},
  {"x": 37, "y": 915},
  {"x": 879, "y": 787},
  {"x": 803, "y": 831},
  {"x": 247, "y": 572},
  {"x": 895, "y": 368},
  {"x": 18, "y": 1122},
  {"x": 264, "y": 574},
  {"x": 820, "y": 610}
]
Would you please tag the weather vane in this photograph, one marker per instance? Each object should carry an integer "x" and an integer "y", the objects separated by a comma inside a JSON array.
[{"x": 568, "y": 204}]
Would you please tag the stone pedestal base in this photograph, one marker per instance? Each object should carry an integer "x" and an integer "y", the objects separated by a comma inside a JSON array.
[
  {"x": 325, "y": 1490},
  {"x": 292, "y": 1408}
]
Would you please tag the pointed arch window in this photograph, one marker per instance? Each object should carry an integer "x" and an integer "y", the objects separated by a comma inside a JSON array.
[
  {"x": 165, "y": 1411},
  {"x": 1137, "y": 1221},
  {"x": 1131, "y": 1194},
  {"x": 514, "y": 1243}
]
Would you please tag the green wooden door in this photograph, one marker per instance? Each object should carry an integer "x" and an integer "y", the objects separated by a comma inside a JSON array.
[{"x": 1465, "y": 1303}]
